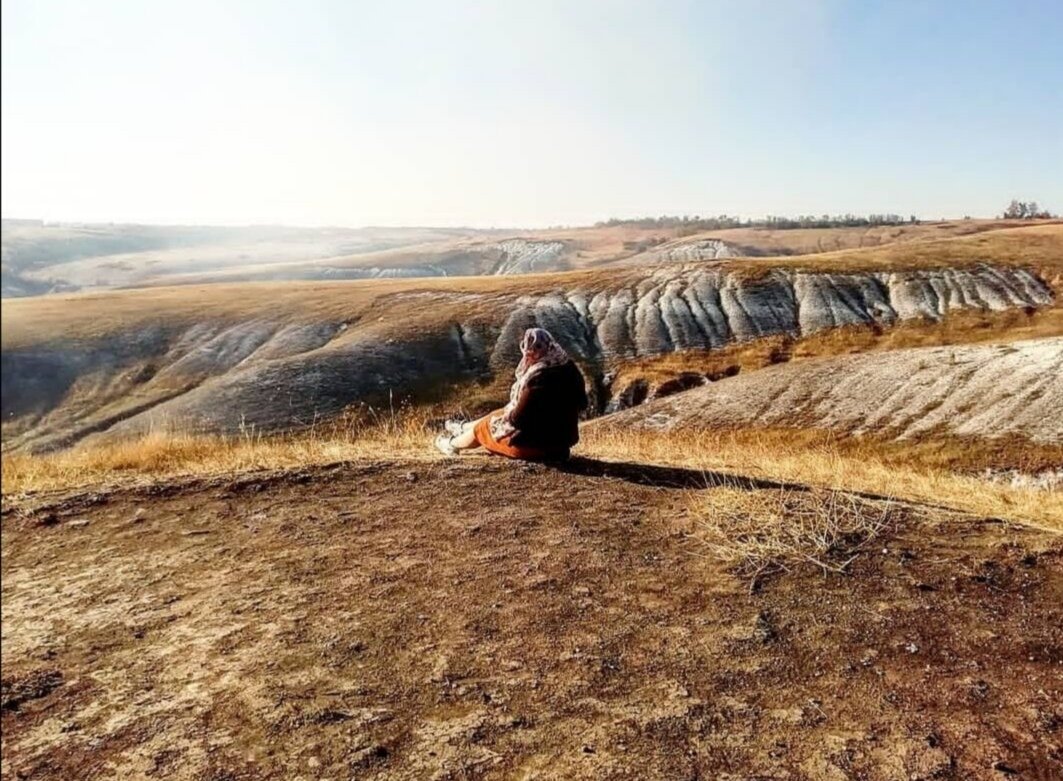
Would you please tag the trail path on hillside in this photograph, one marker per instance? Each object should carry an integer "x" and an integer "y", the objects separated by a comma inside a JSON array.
[{"x": 482, "y": 619}]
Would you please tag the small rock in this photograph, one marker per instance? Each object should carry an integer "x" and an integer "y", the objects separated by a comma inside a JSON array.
[
  {"x": 979, "y": 689},
  {"x": 763, "y": 628},
  {"x": 32, "y": 686},
  {"x": 372, "y": 755},
  {"x": 411, "y": 477},
  {"x": 78, "y": 523}
]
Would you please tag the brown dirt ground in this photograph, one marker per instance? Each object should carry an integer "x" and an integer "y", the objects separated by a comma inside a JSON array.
[{"x": 485, "y": 619}]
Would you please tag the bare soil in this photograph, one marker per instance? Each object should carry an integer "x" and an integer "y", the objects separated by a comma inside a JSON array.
[{"x": 486, "y": 619}]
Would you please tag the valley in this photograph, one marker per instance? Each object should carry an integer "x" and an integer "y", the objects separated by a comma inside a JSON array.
[
  {"x": 226, "y": 358},
  {"x": 812, "y": 529}
]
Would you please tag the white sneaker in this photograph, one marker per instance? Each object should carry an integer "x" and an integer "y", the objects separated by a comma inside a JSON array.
[
  {"x": 454, "y": 427},
  {"x": 444, "y": 446}
]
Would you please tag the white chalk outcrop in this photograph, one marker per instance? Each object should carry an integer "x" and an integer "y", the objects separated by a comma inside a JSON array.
[
  {"x": 521, "y": 256},
  {"x": 698, "y": 309},
  {"x": 967, "y": 390},
  {"x": 697, "y": 251}
]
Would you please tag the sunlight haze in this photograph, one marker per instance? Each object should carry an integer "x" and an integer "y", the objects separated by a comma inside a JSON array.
[{"x": 526, "y": 113}]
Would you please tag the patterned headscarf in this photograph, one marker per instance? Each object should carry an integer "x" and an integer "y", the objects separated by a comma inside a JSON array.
[{"x": 539, "y": 350}]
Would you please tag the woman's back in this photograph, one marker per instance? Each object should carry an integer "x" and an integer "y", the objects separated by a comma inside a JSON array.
[{"x": 547, "y": 415}]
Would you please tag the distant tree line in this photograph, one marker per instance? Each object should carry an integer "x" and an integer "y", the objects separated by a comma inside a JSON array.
[
  {"x": 1026, "y": 210},
  {"x": 687, "y": 224},
  {"x": 693, "y": 224}
]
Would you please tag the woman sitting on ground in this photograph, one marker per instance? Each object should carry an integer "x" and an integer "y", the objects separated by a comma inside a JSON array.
[{"x": 541, "y": 420}]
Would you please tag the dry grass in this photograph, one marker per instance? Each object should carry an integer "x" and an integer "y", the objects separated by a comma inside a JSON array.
[
  {"x": 820, "y": 460},
  {"x": 1039, "y": 247},
  {"x": 757, "y": 532},
  {"x": 917, "y": 474},
  {"x": 836, "y": 495},
  {"x": 809, "y": 241},
  {"x": 165, "y": 455}
]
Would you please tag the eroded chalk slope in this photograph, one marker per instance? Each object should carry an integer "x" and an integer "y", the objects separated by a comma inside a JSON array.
[
  {"x": 266, "y": 373},
  {"x": 966, "y": 390},
  {"x": 697, "y": 309}
]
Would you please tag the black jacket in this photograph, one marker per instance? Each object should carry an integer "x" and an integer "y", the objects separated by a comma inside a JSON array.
[{"x": 547, "y": 414}]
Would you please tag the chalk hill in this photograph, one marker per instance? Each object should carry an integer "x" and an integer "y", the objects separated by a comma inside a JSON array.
[
  {"x": 226, "y": 358},
  {"x": 963, "y": 390}
]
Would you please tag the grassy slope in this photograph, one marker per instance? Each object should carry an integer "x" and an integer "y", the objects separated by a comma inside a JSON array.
[
  {"x": 818, "y": 240},
  {"x": 936, "y": 471},
  {"x": 601, "y": 247}
]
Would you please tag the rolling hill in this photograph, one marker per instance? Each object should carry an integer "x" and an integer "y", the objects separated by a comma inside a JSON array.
[
  {"x": 994, "y": 390},
  {"x": 225, "y": 358},
  {"x": 40, "y": 258}
]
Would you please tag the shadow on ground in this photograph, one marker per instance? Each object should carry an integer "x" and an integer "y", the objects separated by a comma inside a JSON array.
[
  {"x": 657, "y": 476},
  {"x": 668, "y": 476}
]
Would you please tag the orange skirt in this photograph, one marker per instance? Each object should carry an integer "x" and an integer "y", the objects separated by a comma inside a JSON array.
[{"x": 502, "y": 446}]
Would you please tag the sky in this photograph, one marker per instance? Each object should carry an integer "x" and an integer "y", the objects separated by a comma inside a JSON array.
[{"x": 526, "y": 113}]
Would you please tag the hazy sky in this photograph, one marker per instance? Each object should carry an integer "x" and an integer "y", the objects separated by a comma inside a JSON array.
[{"x": 526, "y": 113}]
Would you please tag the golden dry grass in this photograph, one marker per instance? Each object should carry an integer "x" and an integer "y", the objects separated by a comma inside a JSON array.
[
  {"x": 166, "y": 455},
  {"x": 807, "y": 241},
  {"x": 757, "y": 532},
  {"x": 820, "y": 460},
  {"x": 1039, "y": 247},
  {"x": 810, "y": 458}
]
